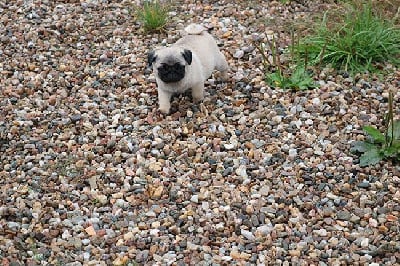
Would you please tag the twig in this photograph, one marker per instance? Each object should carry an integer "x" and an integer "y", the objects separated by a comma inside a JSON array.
[
  {"x": 278, "y": 59},
  {"x": 389, "y": 121},
  {"x": 265, "y": 59},
  {"x": 271, "y": 45}
]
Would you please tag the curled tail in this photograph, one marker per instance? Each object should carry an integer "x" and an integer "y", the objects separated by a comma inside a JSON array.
[{"x": 195, "y": 29}]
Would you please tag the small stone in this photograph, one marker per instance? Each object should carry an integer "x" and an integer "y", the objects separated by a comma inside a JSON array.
[
  {"x": 194, "y": 198},
  {"x": 52, "y": 100},
  {"x": 13, "y": 226},
  {"x": 247, "y": 234},
  {"x": 364, "y": 184},
  {"x": 238, "y": 54},
  {"x": 294, "y": 253},
  {"x": 372, "y": 222},
  {"x": 102, "y": 199},
  {"x": 292, "y": 153},
  {"x": 227, "y": 34},
  {"x": 90, "y": 230},
  {"x": 264, "y": 230},
  {"x": 119, "y": 261},
  {"x": 321, "y": 232},
  {"x": 142, "y": 256},
  {"x": 364, "y": 242},
  {"x": 158, "y": 192},
  {"x": 155, "y": 166},
  {"x": 343, "y": 215},
  {"x": 191, "y": 246},
  {"x": 103, "y": 57},
  {"x": 383, "y": 229},
  {"x": 229, "y": 146},
  {"x": 254, "y": 220},
  {"x": 316, "y": 101},
  {"x": 392, "y": 218},
  {"x": 75, "y": 118},
  {"x": 226, "y": 258},
  {"x": 93, "y": 182},
  {"x": 241, "y": 171},
  {"x": 154, "y": 232},
  {"x": 155, "y": 224},
  {"x": 264, "y": 191},
  {"x": 128, "y": 236},
  {"x": 355, "y": 219},
  {"x": 151, "y": 214}
]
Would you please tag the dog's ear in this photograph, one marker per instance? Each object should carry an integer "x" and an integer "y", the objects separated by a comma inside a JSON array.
[
  {"x": 151, "y": 57},
  {"x": 187, "y": 54}
]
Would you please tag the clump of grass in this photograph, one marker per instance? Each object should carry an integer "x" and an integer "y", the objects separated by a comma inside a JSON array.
[
  {"x": 153, "y": 15},
  {"x": 380, "y": 146},
  {"x": 357, "y": 44}
]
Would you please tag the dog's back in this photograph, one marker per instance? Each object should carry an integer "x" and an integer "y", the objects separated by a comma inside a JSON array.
[{"x": 202, "y": 44}]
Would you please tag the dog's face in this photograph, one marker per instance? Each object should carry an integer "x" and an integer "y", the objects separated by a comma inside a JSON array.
[{"x": 169, "y": 64}]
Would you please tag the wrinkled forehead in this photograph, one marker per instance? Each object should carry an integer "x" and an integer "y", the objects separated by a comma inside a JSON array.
[{"x": 171, "y": 56}]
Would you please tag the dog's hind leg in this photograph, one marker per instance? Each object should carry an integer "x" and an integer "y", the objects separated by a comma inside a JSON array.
[{"x": 222, "y": 66}]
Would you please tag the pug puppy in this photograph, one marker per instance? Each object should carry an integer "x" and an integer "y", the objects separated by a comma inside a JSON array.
[{"x": 188, "y": 63}]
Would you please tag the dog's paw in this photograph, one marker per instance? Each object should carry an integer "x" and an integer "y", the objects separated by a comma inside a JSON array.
[
  {"x": 164, "y": 111},
  {"x": 198, "y": 99},
  {"x": 222, "y": 76}
]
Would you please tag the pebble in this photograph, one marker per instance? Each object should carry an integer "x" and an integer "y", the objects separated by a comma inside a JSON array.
[
  {"x": 238, "y": 54},
  {"x": 343, "y": 215},
  {"x": 194, "y": 198},
  {"x": 364, "y": 184},
  {"x": 321, "y": 232},
  {"x": 247, "y": 234},
  {"x": 364, "y": 242},
  {"x": 241, "y": 171}
]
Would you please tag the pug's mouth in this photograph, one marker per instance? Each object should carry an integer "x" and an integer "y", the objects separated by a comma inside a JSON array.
[{"x": 171, "y": 73}]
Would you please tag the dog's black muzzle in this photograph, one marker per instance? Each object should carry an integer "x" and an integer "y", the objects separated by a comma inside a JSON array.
[{"x": 171, "y": 73}]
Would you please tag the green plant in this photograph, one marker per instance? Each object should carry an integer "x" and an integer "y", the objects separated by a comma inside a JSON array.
[
  {"x": 153, "y": 15},
  {"x": 379, "y": 146},
  {"x": 357, "y": 43},
  {"x": 299, "y": 79},
  {"x": 290, "y": 78}
]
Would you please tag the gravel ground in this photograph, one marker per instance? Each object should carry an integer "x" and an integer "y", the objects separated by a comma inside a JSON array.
[{"x": 92, "y": 174}]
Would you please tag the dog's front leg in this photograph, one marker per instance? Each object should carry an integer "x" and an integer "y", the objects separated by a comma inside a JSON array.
[
  {"x": 164, "y": 101},
  {"x": 198, "y": 92}
]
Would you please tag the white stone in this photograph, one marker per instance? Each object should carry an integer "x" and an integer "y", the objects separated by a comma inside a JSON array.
[
  {"x": 247, "y": 234},
  {"x": 238, "y": 54},
  {"x": 194, "y": 198},
  {"x": 241, "y": 171},
  {"x": 321, "y": 232},
  {"x": 292, "y": 152},
  {"x": 364, "y": 242},
  {"x": 264, "y": 229},
  {"x": 316, "y": 101}
]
